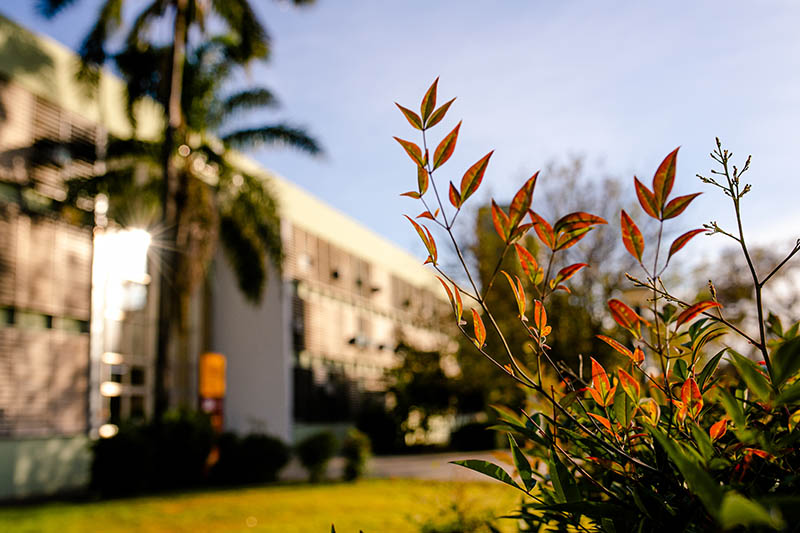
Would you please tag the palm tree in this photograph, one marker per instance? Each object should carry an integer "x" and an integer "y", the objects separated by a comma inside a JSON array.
[{"x": 248, "y": 40}]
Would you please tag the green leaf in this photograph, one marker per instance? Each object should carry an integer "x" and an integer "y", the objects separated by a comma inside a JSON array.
[
  {"x": 680, "y": 370},
  {"x": 488, "y": 469},
  {"x": 752, "y": 376},
  {"x": 790, "y": 395},
  {"x": 737, "y": 510},
  {"x": 522, "y": 465},
  {"x": 786, "y": 361},
  {"x": 699, "y": 481},
  {"x": 563, "y": 482},
  {"x": 709, "y": 368},
  {"x": 703, "y": 442}
]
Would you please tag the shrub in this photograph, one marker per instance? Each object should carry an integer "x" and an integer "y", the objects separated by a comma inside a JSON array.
[
  {"x": 169, "y": 454},
  {"x": 182, "y": 443},
  {"x": 262, "y": 457},
  {"x": 230, "y": 465},
  {"x": 315, "y": 452},
  {"x": 665, "y": 441},
  {"x": 356, "y": 451},
  {"x": 123, "y": 464},
  {"x": 472, "y": 437},
  {"x": 382, "y": 427}
]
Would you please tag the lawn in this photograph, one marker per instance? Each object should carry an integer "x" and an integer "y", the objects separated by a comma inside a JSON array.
[{"x": 373, "y": 506}]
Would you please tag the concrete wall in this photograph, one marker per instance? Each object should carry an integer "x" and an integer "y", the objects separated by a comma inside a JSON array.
[
  {"x": 39, "y": 467},
  {"x": 254, "y": 339}
]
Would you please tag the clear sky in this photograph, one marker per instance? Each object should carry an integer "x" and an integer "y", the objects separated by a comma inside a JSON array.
[{"x": 622, "y": 83}]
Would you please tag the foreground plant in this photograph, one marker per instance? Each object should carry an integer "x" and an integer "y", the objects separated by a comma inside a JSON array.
[{"x": 666, "y": 441}]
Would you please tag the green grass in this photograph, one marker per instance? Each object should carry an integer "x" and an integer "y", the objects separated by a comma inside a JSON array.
[{"x": 373, "y": 506}]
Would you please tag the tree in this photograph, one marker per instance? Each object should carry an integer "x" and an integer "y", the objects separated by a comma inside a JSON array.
[{"x": 250, "y": 41}]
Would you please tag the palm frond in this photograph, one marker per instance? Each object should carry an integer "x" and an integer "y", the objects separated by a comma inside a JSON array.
[
  {"x": 50, "y": 8},
  {"x": 137, "y": 36},
  {"x": 277, "y": 135},
  {"x": 253, "y": 41},
  {"x": 248, "y": 100},
  {"x": 92, "y": 51},
  {"x": 249, "y": 230}
]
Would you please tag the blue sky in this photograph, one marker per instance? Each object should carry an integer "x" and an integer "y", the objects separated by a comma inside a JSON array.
[{"x": 621, "y": 83}]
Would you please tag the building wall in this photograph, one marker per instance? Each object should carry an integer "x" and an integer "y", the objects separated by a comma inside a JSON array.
[{"x": 254, "y": 340}]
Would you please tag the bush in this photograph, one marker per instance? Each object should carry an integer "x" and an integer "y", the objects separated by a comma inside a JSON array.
[
  {"x": 382, "y": 427},
  {"x": 123, "y": 464},
  {"x": 356, "y": 451},
  {"x": 256, "y": 458},
  {"x": 182, "y": 443},
  {"x": 472, "y": 437},
  {"x": 315, "y": 452},
  {"x": 169, "y": 454},
  {"x": 228, "y": 468},
  {"x": 662, "y": 440},
  {"x": 263, "y": 457}
]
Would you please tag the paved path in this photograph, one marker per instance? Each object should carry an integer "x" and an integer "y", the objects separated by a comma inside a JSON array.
[{"x": 428, "y": 466}]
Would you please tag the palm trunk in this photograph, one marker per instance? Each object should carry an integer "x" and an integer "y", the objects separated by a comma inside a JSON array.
[{"x": 173, "y": 198}]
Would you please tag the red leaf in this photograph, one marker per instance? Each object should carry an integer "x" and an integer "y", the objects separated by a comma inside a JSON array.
[
  {"x": 569, "y": 239},
  {"x": 422, "y": 180},
  {"x": 500, "y": 220},
  {"x": 695, "y": 310},
  {"x": 445, "y": 148},
  {"x": 631, "y": 236},
  {"x": 651, "y": 410},
  {"x": 519, "y": 293},
  {"x": 600, "y": 378},
  {"x": 646, "y": 198},
  {"x": 522, "y": 200},
  {"x": 691, "y": 397},
  {"x": 420, "y": 232},
  {"x": 539, "y": 316},
  {"x": 681, "y": 241},
  {"x": 629, "y": 385},
  {"x": 480, "y": 329},
  {"x": 431, "y": 248},
  {"x": 624, "y": 316},
  {"x": 519, "y": 232},
  {"x": 473, "y": 177},
  {"x": 603, "y": 420},
  {"x": 664, "y": 178},
  {"x": 412, "y": 150},
  {"x": 459, "y": 303},
  {"x": 678, "y": 205},
  {"x": 567, "y": 272},
  {"x": 543, "y": 229},
  {"x": 429, "y": 101},
  {"x": 411, "y": 194},
  {"x": 638, "y": 356},
  {"x": 578, "y": 220},
  {"x": 616, "y": 345},
  {"x": 455, "y": 198},
  {"x": 449, "y": 293},
  {"x": 718, "y": 429},
  {"x": 526, "y": 261},
  {"x": 425, "y": 214},
  {"x": 438, "y": 115},
  {"x": 412, "y": 117}
]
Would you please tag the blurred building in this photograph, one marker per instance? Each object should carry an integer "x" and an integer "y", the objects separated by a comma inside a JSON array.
[{"x": 78, "y": 303}]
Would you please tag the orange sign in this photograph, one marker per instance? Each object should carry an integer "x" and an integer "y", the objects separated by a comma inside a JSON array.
[{"x": 212, "y": 375}]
